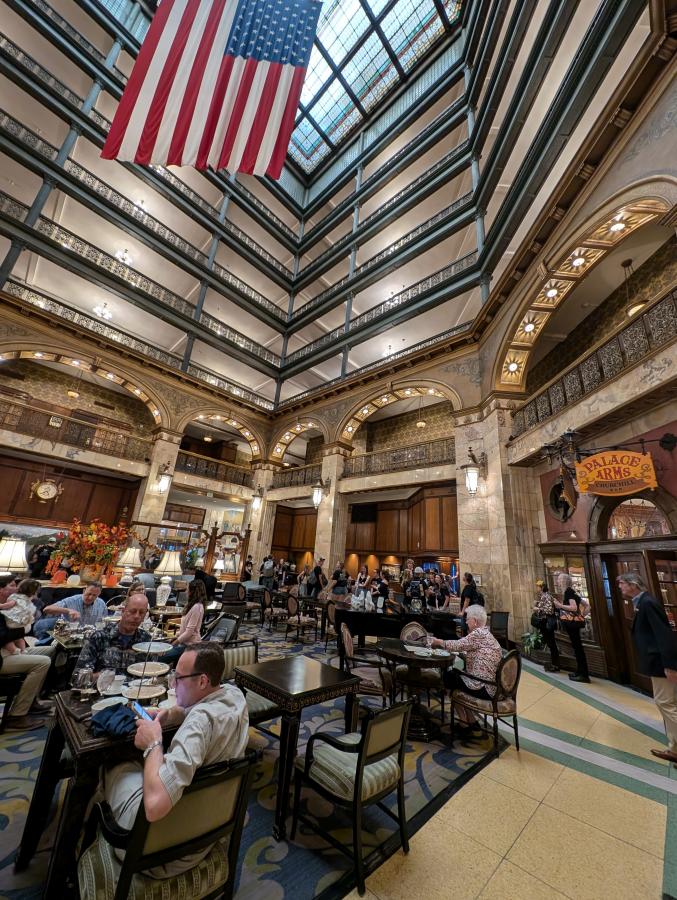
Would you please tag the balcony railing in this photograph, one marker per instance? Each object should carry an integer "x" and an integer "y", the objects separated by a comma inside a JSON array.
[
  {"x": 650, "y": 330},
  {"x": 418, "y": 456},
  {"x": 62, "y": 429},
  {"x": 301, "y": 475},
  {"x": 421, "y": 287},
  {"x": 204, "y": 467},
  {"x": 388, "y": 251},
  {"x": 237, "y": 390}
]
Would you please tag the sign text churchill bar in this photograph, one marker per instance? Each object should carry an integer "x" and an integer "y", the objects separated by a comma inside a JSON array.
[{"x": 615, "y": 472}]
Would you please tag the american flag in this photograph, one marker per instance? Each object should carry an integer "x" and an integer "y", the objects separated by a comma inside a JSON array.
[{"x": 216, "y": 84}]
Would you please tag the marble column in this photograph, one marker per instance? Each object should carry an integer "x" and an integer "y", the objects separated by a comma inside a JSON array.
[
  {"x": 261, "y": 520},
  {"x": 150, "y": 503},
  {"x": 499, "y": 527},
  {"x": 332, "y": 514}
]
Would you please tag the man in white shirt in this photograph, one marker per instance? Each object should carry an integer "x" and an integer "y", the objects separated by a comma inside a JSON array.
[{"x": 214, "y": 727}]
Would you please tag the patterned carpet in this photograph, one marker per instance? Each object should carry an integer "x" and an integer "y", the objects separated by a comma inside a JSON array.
[{"x": 308, "y": 867}]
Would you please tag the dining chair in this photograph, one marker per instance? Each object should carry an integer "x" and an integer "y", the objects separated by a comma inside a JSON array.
[
  {"x": 270, "y": 613},
  {"x": 498, "y": 626},
  {"x": 298, "y": 620},
  {"x": 375, "y": 678},
  {"x": 415, "y": 678},
  {"x": 354, "y": 771},
  {"x": 503, "y": 705},
  {"x": 224, "y": 630},
  {"x": 330, "y": 634},
  {"x": 209, "y": 815},
  {"x": 245, "y": 652}
]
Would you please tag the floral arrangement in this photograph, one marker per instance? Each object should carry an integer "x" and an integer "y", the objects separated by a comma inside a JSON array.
[{"x": 96, "y": 544}]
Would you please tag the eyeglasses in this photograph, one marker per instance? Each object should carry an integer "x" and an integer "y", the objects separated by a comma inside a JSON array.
[{"x": 174, "y": 678}]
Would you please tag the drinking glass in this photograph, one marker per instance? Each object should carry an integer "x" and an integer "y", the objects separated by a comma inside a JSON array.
[{"x": 105, "y": 680}]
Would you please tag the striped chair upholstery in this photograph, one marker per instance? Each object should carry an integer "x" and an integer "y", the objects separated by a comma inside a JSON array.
[
  {"x": 258, "y": 706},
  {"x": 99, "y": 871},
  {"x": 335, "y": 770},
  {"x": 243, "y": 654}
]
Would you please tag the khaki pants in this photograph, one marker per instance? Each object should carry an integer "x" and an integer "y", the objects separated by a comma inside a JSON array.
[
  {"x": 665, "y": 695},
  {"x": 35, "y": 664}
]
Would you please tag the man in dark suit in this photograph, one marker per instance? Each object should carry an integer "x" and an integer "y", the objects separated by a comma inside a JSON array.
[{"x": 656, "y": 645}]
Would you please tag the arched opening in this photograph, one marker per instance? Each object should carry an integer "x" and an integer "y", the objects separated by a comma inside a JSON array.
[
  {"x": 299, "y": 444},
  {"x": 637, "y": 517},
  {"x": 395, "y": 401}
]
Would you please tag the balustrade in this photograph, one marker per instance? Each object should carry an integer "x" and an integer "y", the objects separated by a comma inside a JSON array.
[
  {"x": 398, "y": 459},
  {"x": 297, "y": 476},
  {"x": 204, "y": 467}
]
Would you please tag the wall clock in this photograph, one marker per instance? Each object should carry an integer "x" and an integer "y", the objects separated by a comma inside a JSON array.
[{"x": 46, "y": 491}]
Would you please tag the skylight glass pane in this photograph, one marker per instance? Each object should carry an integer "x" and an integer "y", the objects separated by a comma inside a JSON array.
[
  {"x": 453, "y": 9},
  {"x": 318, "y": 74},
  {"x": 335, "y": 112},
  {"x": 342, "y": 23},
  {"x": 306, "y": 146},
  {"x": 370, "y": 72},
  {"x": 376, "y": 6},
  {"x": 411, "y": 27}
]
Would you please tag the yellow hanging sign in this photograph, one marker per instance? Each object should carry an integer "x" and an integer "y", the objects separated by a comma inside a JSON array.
[{"x": 615, "y": 473}]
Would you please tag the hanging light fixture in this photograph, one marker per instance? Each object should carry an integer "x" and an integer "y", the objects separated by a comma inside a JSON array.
[
  {"x": 320, "y": 488},
  {"x": 124, "y": 256},
  {"x": 257, "y": 500},
  {"x": 164, "y": 478},
  {"x": 103, "y": 312},
  {"x": 632, "y": 304},
  {"x": 473, "y": 469},
  {"x": 420, "y": 422}
]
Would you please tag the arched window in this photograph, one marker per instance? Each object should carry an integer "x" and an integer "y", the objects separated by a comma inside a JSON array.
[{"x": 636, "y": 518}]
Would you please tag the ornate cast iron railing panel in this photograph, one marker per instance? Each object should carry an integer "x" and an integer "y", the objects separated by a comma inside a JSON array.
[
  {"x": 203, "y": 467},
  {"x": 417, "y": 456}
]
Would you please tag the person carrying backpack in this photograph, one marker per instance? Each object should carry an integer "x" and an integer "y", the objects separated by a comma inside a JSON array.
[{"x": 317, "y": 579}]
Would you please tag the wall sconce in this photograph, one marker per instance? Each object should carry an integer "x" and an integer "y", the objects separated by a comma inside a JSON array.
[
  {"x": 319, "y": 490},
  {"x": 164, "y": 478},
  {"x": 473, "y": 469},
  {"x": 257, "y": 500}
]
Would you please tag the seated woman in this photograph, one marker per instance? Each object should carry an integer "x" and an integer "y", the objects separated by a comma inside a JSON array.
[
  {"x": 191, "y": 621},
  {"x": 19, "y": 611},
  {"x": 482, "y": 656}
]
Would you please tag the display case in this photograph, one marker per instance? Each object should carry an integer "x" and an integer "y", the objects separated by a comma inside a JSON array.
[
  {"x": 666, "y": 571},
  {"x": 559, "y": 560}
]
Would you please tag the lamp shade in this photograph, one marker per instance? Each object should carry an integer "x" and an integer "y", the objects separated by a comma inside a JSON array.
[
  {"x": 219, "y": 565},
  {"x": 472, "y": 474},
  {"x": 170, "y": 564},
  {"x": 130, "y": 558},
  {"x": 12, "y": 555}
]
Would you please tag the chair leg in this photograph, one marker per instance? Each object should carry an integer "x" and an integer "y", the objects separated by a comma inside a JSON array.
[
  {"x": 297, "y": 801},
  {"x": 402, "y": 815},
  {"x": 517, "y": 738},
  {"x": 442, "y": 704},
  {"x": 357, "y": 848},
  {"x": 451, "y": 719},
  {"x": 495, "y": 733}
]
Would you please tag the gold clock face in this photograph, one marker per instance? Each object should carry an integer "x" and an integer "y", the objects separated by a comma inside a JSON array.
[{"x": 46, "y": 490}]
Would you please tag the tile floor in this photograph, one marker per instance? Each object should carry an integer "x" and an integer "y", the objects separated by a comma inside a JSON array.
[{"x": 547, "y": 823}]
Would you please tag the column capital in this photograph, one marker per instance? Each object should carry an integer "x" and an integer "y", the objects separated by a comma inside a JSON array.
[
  {"x": 164, "y": 434},
  {"x": 337, "y": 449}
]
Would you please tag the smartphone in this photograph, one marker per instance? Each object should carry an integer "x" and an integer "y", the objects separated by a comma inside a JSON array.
[{"x": 140, "y": 711}]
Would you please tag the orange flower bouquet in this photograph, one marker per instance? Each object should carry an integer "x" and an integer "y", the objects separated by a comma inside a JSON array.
[{"x": 96, "y": 545}]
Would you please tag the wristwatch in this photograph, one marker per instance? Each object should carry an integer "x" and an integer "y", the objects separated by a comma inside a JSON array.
[{"x": 151, "y": 747}]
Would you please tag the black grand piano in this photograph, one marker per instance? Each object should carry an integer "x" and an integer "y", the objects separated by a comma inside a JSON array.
[{"x": 390, "y": 624}]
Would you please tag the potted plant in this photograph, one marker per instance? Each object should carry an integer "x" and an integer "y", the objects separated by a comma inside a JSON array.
[{"x": 532, "y": 640}]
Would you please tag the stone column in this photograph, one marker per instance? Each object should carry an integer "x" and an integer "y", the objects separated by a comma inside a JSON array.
[
  {"x": 499, "y": 527},
  {"x": 332, "y": 514},
  {"x": 150, "y": 503},
  {"x": 261, "y": 520}
]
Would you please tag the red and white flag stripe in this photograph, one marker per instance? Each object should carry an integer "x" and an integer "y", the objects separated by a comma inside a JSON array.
[{"x": 188, "y": 103}]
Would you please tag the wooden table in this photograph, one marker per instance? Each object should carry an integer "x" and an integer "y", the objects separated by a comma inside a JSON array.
[
  {"x": 293, "y": 683},
  {"x": 389, "y": 625},
  {"x": 88, "y": 753},
  {"x": 422, "y": 725}
]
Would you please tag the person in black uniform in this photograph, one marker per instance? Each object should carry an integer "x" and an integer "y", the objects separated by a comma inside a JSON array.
[
  {"x": 416, "y": 587},
  {"x": 656, "y": 645},
  {"x": 572, "y": 618}
]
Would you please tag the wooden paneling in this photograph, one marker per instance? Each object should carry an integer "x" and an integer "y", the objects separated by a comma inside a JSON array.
[
  {"x": 387, "y": 529},
  {"x": 449, "y": 523},
  {"x": 85, "y": 496},
  {"x": 431, "y": 522},
  {"x": 294, "y": 532}
]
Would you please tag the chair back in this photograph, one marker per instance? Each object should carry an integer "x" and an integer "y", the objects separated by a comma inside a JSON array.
[
  {"x": 280, "y": 599},
  {"x": 210, "y": 626},
  {"x": 347, "y": 641},
  {"x": 413, "y": 632},
  {"x": 331, "y": 614},
  {"x": 233, "y": 590},
  {"x": 211, "y": 808},
  {"x": 116, "y": 600},
  {"x": 508, "y": 675},
  {"x": 225, "y": 629},
  {"x": 498, "y": 623},
  {"x": 383, "y": 734},
  {"x": 239, "y": 653},
  {"x": 266, "y": 599},
  {"x": 292, "y": 606}
]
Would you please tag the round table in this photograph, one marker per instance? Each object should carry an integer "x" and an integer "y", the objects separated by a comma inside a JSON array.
[{"x": 423, "y": 726}]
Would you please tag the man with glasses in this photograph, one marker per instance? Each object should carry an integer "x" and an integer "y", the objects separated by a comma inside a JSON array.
[{"x": 213, "y": 727}]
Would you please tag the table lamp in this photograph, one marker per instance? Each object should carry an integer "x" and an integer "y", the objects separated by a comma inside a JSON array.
[
  {"x": 12, "y": 556},
  {"x": 219, "y": 566},
  {"x": 130, "y": 559},
  {"x": 170, "y": 564}
]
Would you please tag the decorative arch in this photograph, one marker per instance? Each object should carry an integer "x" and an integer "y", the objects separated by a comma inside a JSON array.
[
  {"x": 604, "y": 507},
  {"x": 234, "y": 419},
  {"x": 577, "y": 254},
  {"x": 286, "y": 435},
  {"x": 33, "y": 351},
  {"x": 403, "y": 390}
]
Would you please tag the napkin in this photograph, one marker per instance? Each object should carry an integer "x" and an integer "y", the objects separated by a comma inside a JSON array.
[{"x": 113, "y": 721}]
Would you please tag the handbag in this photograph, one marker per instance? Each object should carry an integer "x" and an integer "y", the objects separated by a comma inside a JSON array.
[{"x": 538, "y": 620}]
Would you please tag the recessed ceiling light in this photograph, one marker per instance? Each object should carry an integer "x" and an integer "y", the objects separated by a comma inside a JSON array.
[
  {"x": 75, "y": 362},
  {"x": 110, "y": 376},
  {"x": 552, "y": 292},
  {"x": 200, "y": 417},
  {"x": 137, "y": 392},
  {"x": 365, "y": 410},
  {"x": 38, "y": 355},
  {"x": 349, "y": 428},
  {"x": 512, "y": 367},
  {"x": 156, "y": 412},
  {"x": 578, "y": 261},
  {"x": 207, "y": 438},
  {"x": 529, "y": 327},
  {"x": 618, "y": 226}
]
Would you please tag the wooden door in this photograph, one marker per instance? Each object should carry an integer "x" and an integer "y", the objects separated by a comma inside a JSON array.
[{"x": 624, "y": 611}]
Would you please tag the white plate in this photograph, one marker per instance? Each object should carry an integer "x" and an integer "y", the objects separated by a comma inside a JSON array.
[
  {"x": 152, "y": 647},
  {"x": 114, "y": 689},
  {"x": 148, "y": 669},
  {"x": 421, "y": 651},
  {"x": 136, "y": 682},
  {"x": 144, "y": 692},
  {"x": 107, "y": 701},
  {"x": 440, "y": 652}
]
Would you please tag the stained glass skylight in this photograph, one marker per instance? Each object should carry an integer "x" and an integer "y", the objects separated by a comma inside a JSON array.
[{"x": 363, "y": 49}]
